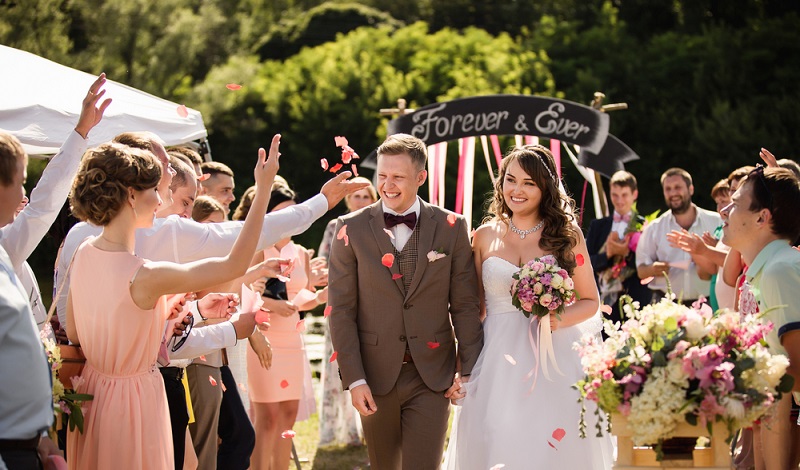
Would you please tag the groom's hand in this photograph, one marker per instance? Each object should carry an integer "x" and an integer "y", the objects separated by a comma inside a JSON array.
[
  {"x": 456, "y": 393},
  {"x": 362, "y": 400}
]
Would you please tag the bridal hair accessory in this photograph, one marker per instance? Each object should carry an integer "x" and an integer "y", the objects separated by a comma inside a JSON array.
[
  {"x": 523, "y": 233},
  {"x": 542, "y": 287},
  {"x": 535, "y": 150}
]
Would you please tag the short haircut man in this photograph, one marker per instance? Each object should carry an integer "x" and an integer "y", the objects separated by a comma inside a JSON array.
[
  {"x": 624, "y": 179},
  {"x": 220, "y": 184},
  {"x": 399, "y": 144}
]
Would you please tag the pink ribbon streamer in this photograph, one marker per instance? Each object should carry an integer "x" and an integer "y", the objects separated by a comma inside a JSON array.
[
  {"x": 462, "y": 159},
  {"x": 498, "y": 155},
  {"x": 542, "y": 352},
  {"x": 555, "y": 149}
]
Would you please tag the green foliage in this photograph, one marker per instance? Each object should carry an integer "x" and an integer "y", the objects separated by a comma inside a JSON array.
[{"x": 36, "y": 26}]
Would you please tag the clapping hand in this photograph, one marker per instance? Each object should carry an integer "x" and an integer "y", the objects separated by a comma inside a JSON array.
[
  {"x": 218, "y": 305},
  {"x": 709, "y": 239},
  {"x": 267, "y": 168},
  {"x": 616, "y": 246}
]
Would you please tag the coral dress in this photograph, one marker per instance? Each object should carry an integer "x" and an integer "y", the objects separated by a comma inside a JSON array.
[
  {"x": 285, "y": 380},
  {"x": 127, "y": 423}
]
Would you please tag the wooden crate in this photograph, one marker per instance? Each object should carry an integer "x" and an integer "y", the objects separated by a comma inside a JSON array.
[{"x": 715, "y": 457}]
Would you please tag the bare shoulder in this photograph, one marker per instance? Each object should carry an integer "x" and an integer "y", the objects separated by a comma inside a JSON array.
[{"x": 486, "y": 233}]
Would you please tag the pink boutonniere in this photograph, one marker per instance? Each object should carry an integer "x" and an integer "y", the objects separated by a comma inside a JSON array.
[{"x": 433, "y": 255}]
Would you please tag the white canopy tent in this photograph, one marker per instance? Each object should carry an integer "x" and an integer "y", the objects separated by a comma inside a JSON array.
[{"x": 41, "y": 100}]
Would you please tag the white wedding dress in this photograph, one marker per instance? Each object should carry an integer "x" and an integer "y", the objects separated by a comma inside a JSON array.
[{"x": 502, "y": 423}]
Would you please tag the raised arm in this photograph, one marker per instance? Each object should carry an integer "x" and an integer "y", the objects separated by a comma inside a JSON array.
[{"x": 158, "y": 278}]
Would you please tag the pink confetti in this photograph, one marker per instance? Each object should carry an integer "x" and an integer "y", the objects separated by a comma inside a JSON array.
[
  {"x": 182, "y": 111},
  {"x": 387, "y": 260},
  {"x": 498, "y": 466},
  {"x": 336, "y": 168},
  {"x": 389, "y": 232},
  {"x": 334, "y": 356},
  {"x": 605, "y": 309},
  {"x": 284, "y": 383},
  {"x": 203, "y": 358},
  {"x": 212, "y": 381},
  {"x": 559, "y": 434},
  {"x": 300, "y": 326},
  {"x": 282, "y": 278},
  {"x": 451, "y": 219},
  {"x": 647, "y": 280},
  {"x": 233, "y": 86},
  {"x": 327, "y": 311},
  {"x": 579, "y": 259},
  {"x": 262, "y": 317},
  {"x": 288, "y": 434},
  {"x": 355, "y": 169},
  {"x": 551, "y": 445},
  {"x": 346, "y": 157},
  {"x": 223, "y": 387},
  {"x": 323, "y": 162},
  {"x": 340, "y": 141},
  {"x": 510, "y": 359},
  {"x": 396, "y": 276},
  {"x": 433, "y": 344}
]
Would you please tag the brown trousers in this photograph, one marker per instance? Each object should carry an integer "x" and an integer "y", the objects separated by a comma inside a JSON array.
[{"x": 408, "y": 430}]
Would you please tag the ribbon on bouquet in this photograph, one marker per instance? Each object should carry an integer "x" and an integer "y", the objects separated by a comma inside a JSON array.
[{"x": 543, "y": 352}]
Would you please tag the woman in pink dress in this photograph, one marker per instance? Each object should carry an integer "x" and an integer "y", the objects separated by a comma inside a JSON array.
[
  {"x": 276, "y": 393},
  {"x": 117, "y": 306}
]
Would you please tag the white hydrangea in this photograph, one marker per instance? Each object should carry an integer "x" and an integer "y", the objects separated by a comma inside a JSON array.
[{"x": 657, "y": 410}]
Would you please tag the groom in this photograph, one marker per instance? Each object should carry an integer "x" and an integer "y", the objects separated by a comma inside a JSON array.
[{"x": 402, "y": 280}]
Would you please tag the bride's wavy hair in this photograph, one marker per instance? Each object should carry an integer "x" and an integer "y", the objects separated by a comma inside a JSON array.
[{"x": 557, "y": 209}]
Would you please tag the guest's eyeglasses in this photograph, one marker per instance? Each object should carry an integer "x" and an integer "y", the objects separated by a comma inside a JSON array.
[
  {"x": 758, "y": 173},
  {"x": 185, "y": 334}
]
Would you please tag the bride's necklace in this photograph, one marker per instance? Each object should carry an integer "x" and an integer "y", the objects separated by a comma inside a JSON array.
[{"x": 523, "y": 233}]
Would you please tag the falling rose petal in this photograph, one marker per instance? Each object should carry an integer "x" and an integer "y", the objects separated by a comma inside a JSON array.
[
  {"x": 262, "y": 317},
  {"x": 341, "y": 141},
  {"x": 300, "y": 326},
  {"x": 342, "y": 235},
  {"x": 327, "y": 311},
  {"x": 387, "y": 260},
  {"x": 647, "y": 280},
  {"x": 242, "y": 387},
  {"x": 336, "y": 168},
  {"x": 389, "y": 232},
  {"x": 334, "y": 356},
  {"x": 451, "y": 219},
  {"x": 204, "y": 177},
  {"x": 433, "y": 344},
  {"x": 579, "y": 259},
  {"x": 559, "y": 434},
  {"x": 288, "y": 434},
  {"x": 203, "y": 358},
  {"x": 282, "y": 278},
  {"x": 355, "y": 169},
  {"x": 346, "y": 157},
  {"x": 396, "y": 276},
  {"x": 233, "y": 86},
  {"x": 182, "y": 111},
  {"x": 223, "y": 387},
  {"x": 284, "y": 383},
  {"x": 606, "y": 309},
  {"x": 510, "y": 359},
  {"x": 498, "y": 466},
  {"x": 551, "y": 445},
  {"x": 323, "y": 162},
  {"x": 212, "y": 381}
]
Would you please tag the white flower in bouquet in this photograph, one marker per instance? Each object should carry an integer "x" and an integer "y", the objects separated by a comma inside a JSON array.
[
  {"x": 734, "y": 407},
  {"x": 695, "y": 325},
  {"x": 656, "y": 411}
]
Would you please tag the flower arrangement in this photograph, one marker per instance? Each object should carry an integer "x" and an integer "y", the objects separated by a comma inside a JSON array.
[
  {"x": 541, "y": 286},
  {"x": 669, "y": 363},
  {"x": 64, "y": 401}
]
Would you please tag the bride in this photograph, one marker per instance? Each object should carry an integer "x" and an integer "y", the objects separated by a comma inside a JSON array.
[{"x": 505, "y": 421}]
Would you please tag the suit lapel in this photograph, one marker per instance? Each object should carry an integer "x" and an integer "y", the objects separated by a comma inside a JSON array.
[
  {"x": 384, "y": 242},
  {"x": 426, "y": 233}
]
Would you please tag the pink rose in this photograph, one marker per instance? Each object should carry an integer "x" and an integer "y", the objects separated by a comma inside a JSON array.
[
  {"x": 545, "y": 300},
  {"x": 538, "y": 288}
]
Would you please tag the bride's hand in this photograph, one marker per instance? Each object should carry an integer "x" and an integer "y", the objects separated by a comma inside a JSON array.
[
  {"x": 455, "y": 393},
  {"x": 554, "y": 322}
]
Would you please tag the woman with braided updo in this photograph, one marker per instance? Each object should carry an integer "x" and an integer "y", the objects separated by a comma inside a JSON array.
[{"x": 117, "y": 308}]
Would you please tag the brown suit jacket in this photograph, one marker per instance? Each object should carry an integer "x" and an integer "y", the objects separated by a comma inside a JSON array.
[{"x": 372, "y": 318}]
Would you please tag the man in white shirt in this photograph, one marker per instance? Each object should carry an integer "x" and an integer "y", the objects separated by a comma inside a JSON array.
[{"x": 657, "y": 258}]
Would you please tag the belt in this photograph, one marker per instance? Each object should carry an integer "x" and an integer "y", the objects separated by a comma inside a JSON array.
[
  {"x": 407, "y": 358},
  {"x": 174, "y": 373},
  {"x": 20, "y": 444}
]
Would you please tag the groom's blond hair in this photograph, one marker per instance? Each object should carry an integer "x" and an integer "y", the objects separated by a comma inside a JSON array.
[{"x": 398, "y": 144}]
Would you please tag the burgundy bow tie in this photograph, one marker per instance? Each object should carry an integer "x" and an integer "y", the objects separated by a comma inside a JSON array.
[
  {"x": 622, "y": 218},
  {"x": 409, "y": 219}
]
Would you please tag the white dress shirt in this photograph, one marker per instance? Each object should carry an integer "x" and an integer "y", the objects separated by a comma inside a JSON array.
[
  {"x": 653, "y": 246},
  {"x": 22, "y": 236},
  {"x": 183, "y": 240},
  {"x": 26, "y": 400},
  {"x": 401, "y": 234}
]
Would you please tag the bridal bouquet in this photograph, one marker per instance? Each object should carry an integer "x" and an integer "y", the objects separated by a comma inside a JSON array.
[
  {"x": 669, "y": 363},
  {"x": 541, "y": 286},
  {"x": 64, "y": 401}
]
